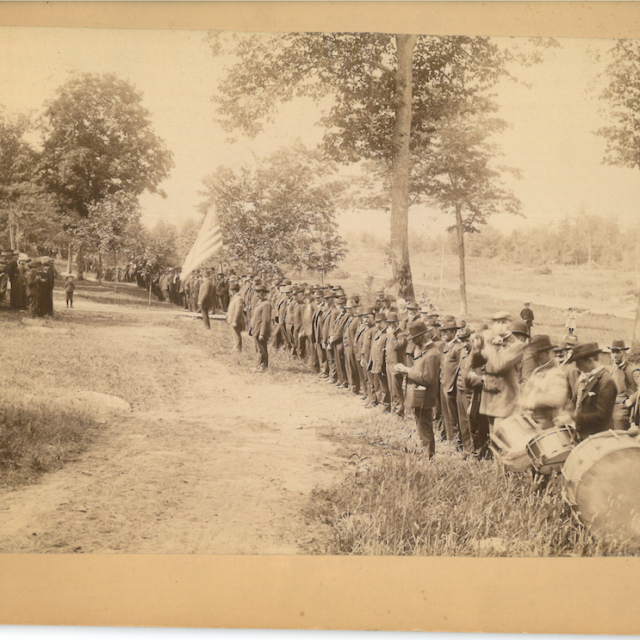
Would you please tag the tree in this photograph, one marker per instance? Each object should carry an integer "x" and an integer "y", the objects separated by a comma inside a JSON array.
[
  {"x": 388, "y": 94},
  {"x": 24, "y": 206},
  {"x": 622, "y": 95},
  {"x": 458, "y": 177},
  {"x": 98, "y": 142},
  {"x": 279, "y": 212}
]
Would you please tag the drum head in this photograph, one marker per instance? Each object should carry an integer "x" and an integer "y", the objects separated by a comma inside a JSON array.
[{"x": 608, "y": 494}]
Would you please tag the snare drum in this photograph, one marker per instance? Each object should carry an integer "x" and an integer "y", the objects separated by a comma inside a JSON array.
[
  {"x": 549, "y": 449},
  {"x": 511, "y": 436},
  {"x": 602, "y": 482}
]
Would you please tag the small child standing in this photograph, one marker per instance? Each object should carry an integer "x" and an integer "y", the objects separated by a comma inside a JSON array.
[{"x": 68, "y": 288}]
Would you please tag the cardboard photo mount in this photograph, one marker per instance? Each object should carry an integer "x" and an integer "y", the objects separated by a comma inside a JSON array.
[{"x": 555, "y": 595}]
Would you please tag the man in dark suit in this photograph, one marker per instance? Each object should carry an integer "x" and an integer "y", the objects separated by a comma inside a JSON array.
[
  {"x": 422, "y": 379},
  {"x": 261, "y": 325},
  {"x": 596, "y": 392},
  {"x": 206, "y": 294}
]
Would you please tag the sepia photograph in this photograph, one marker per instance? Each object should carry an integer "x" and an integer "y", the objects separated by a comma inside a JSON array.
[{"x": 319, "y": 293}]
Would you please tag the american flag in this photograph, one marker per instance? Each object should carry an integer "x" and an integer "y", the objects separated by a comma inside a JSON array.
[{"x": 207, "y": 244}]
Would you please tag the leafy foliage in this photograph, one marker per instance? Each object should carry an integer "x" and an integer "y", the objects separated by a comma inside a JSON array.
[
  {"x": 99, "y": 141},
  {"x": 623, "y": 97},
  {"x": 279, "y": 213}
]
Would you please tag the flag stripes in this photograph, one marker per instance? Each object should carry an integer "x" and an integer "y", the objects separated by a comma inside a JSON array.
[{"x": 207, "y": 244}]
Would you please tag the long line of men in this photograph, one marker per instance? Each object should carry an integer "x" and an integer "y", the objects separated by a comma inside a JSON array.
[{"x": 401, "y": 358}]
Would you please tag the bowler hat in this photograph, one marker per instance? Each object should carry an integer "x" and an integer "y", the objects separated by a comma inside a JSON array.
[
  {"x": 584, "y": 350},
  {"x": 417, "y": 328},
  {"x": 449, "y": 322},
  {"x": 618, "y": 345},
  {"x": 540, "y": 343},
  {"x": 519, "y": 327}
]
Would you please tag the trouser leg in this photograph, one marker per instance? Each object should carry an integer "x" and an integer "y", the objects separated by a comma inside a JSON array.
[
  {"x": 463, "y": 421},
  {"x": 395, "y": 389},
  {"x": 424, "y": 425},
  {"x": 263, "y": 354},
  {"x": 238, "y": 338},
  {"x": 205, "y": 315},
  {"x": 340, "y": 364}
]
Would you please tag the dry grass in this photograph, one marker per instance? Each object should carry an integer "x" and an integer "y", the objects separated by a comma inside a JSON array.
[
  {"x": 393, "y": 501},
  {"x": 36, "y": 438}
]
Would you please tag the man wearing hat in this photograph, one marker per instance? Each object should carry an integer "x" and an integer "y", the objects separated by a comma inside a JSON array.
[
  {"x": 206, "y": 294},
  {"x": 422, "y": 383},
  {"x": 349, "y": 342},
  {"x": 474, "y": 428},
  {"x": 527, "y": 315},
  {"x": 395, "y": 351},
  {"x": 366, "y": 345},
  {"x": 546, "y": 393},
  {"x": 358, "y": 346},
  {"x": 378, "y": 364},
  {"x": 449, "y": 362},
  {"x": 596, "y": 395},
  {"x": 235, "y": 314},
  {"x": 261, "y": 325},
  {"x": 325, "y": 322},
  {"x": 626, "y": 377},
  {"x": 336, "y": 337},
  {"x": 501, "y": 355}
]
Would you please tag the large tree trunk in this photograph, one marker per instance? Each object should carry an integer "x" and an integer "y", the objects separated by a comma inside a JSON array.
[
  {"x": 400, "y": 168},
  {"x": 463, "y": 272}
]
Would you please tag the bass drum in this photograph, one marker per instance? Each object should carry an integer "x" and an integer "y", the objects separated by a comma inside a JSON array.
[
  {"x": 602, "y": 482},
  {"x": 510, "y": 437}
]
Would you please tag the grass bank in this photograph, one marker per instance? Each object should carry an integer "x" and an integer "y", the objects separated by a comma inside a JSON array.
[
  {"x": 393, "y": 501},
  {"x": 37, "y": 437}
]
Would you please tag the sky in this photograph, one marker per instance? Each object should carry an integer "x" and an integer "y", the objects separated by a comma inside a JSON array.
[{"x": 550, "y": 139}]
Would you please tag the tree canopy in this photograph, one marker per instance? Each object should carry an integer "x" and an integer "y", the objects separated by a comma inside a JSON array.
[
  {"x": 99, "y": 141},
  {"x": 388, "y": 95},
  {"x": 278, "y": 213}
]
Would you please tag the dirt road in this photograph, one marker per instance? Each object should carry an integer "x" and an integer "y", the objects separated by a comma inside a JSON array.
[{"x": 223, "y": 464}]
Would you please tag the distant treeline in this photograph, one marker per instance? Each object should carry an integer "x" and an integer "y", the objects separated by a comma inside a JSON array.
[{"x": 585, "y": 239}]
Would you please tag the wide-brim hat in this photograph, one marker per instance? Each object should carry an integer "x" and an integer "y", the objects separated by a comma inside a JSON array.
[
  {"x": 417, "y": 328},
  {"x": 330, "y": 294},
  {"x": 381, "y": 317},
  {"x": 464, "y": 334},
  {"x": 262, "y": 288},
  {"x": 449, "y": 322},
  {"x": 367, "y": 311},
  {"x": 412, "y": 306},
  {"x": 618, "y": 345},
  {"x": 234, "y": 286},
  {"x": 584, "y": 350},
  {"x": 540, "y": 343},
  {"x": 504, "y": 316},
  {"x": 392, "y": 316}
]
